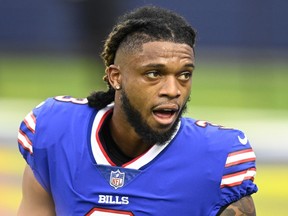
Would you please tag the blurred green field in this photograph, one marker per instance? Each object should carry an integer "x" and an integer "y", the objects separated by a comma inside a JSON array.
[
  {"x": 259, "y": 84},
  {"x": 247, "y": 85},
  {"x": 41, "y": 77}
]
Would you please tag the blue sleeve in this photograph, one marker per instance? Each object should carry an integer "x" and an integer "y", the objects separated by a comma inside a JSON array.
[
  {"x": 239, "y": 171},
  {"x": 27, "y": 140}
]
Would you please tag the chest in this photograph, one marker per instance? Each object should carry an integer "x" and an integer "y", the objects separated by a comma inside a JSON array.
[{"x": 159, "y": 188}]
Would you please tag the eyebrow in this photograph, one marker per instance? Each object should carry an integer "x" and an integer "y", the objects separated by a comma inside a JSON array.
[{"x": 163, "y": 65}]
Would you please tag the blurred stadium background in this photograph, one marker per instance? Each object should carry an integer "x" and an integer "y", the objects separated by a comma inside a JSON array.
[{"x": 50, "y": 48}]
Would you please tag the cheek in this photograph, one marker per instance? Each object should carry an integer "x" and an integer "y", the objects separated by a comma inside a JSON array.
[
  {"x": 141, "y": 98},
  {"x": 186, "y": 91},
  {"x": 138, "y": 91}
]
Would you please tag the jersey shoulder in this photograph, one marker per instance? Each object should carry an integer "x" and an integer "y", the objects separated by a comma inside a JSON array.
[
  {"x": 46, "y": 132},
  {"x": 232, "y": 151},
  {"x": 208, "y": 133},
  {"x": 52, "y": 115}
]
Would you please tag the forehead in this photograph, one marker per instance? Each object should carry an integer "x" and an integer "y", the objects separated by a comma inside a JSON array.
[
  {"x": 156, "y": 52},
  {"x": 165, "y": 49}
]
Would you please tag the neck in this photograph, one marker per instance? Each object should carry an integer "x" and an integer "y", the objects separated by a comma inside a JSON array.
[{"x": 125, "y": 137}]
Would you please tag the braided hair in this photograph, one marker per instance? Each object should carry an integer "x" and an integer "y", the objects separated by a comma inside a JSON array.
[{"x": 145, "y": 24}]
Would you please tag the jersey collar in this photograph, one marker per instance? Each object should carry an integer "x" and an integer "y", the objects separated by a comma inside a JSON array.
[{"x": 102, "y": 158}]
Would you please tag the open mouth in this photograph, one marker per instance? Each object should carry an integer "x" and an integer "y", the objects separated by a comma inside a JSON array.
[{"x": 165, "y": 114}]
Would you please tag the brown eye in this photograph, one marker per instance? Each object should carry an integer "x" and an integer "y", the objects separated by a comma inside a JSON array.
[
  {"x": 153, "y": 75},
  {"x": 185, "y": 76}
]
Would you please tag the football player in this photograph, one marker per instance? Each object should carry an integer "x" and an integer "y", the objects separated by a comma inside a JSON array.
[{"x": 128, "y": 150}]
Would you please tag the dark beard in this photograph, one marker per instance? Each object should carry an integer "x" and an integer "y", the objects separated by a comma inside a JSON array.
[{"x": 145, "y": 132}]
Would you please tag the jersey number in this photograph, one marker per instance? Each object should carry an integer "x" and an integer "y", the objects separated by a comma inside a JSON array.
[
  {"x": 108, "y": 212},
  {"x": 206, "y": 123},
  {"x": 71, "y": 99}
]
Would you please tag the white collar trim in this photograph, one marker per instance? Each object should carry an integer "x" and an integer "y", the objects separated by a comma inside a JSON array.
[{"x": 102, "y": 158}]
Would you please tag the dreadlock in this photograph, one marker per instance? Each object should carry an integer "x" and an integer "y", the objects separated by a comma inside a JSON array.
[{"x": 146, "y": 24}]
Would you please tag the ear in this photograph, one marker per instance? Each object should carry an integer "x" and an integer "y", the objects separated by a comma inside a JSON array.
[{"x": 114, "y": 76}]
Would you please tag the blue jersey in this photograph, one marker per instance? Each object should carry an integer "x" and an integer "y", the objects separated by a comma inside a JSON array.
[{"x": 201, "y": 169}]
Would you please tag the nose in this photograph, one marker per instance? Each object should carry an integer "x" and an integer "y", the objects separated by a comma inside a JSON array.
[{"x": 170, "y": 87}]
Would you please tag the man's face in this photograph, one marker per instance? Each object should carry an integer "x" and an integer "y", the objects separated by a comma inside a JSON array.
[{"x": 156, "y": 84}]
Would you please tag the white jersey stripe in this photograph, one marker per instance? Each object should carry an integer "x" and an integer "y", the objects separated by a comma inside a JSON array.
[
  {"x": 25, "y": 142},
  {"x": 150, "y": 154},
  {"x": 238, "y": 178},
  {"x": 30, "y": 122},
  {"x": 240, "y": 158},
  {"x": 100, "y": 155}
]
